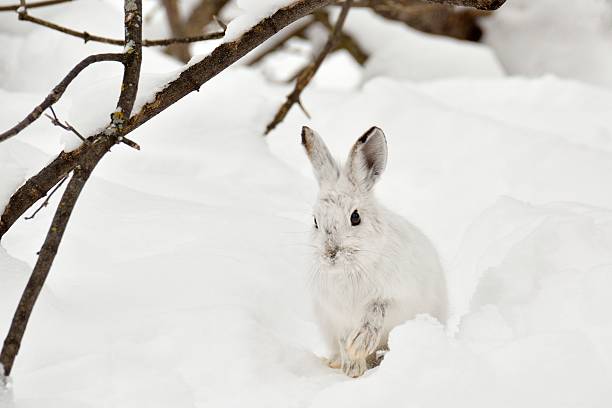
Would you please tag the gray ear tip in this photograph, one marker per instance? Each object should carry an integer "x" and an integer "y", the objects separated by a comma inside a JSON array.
[
  {"x": 305, "y": 131},
  {"x": 374, "y": 130}
]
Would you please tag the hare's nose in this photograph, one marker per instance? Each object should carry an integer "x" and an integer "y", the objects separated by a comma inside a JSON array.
[{"x": 333, "y": 252}]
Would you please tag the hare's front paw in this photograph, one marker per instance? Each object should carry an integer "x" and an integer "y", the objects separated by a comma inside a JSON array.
[
  {"x": 335, "y": 362},
  {"x": 354, "y": 368},
  {"x": 362, "y": 342}
]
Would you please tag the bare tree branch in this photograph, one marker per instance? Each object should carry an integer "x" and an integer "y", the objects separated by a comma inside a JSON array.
[
  {"x": 478, "y": 4},
  {"x": 441, "y": 18},
  {"x": 58, "y": 91},
  {"x": 45, "y": 3},
  {"x": 92, "y": 156},
  {"x": 309, "y": 72},
  {"x": 37, "y": 186},
  {"x": 24, "y": 16},
  {"x": 184, "y": 40}
]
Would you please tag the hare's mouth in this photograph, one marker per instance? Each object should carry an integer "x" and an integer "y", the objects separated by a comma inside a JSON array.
[{"x": 337, "y": 256}]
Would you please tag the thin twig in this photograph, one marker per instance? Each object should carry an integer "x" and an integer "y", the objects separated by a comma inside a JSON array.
[
  {"x": 49, "y": 195},
  {"x": 220, "y": 22},
  {"x": 38, "y": 185},
  {"x": 86, "y": 37},
  {"x": 130, "y": 143},
  {"x": 58, "y": 91},
  {"x": 45, "y": 3},
  {"x": 309, "y": 72},
  {"x": 55, "y": 121},
  {"x": 184, "y": 40}
]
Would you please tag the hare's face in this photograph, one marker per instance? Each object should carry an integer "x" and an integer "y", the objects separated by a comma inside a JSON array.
[{"x": 347, "y": 226}]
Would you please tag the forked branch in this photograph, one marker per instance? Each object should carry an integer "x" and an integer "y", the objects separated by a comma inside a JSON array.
[{"x": 309, "y": 72}]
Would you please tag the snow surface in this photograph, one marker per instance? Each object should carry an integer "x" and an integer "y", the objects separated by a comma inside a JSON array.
[
  {"x": 572, "y": 39},
  {"x": 181, "y": 279},
  {"x": 252, "y": 12}
]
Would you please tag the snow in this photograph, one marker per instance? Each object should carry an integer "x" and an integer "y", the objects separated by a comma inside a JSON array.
[
  {"x": 572, "y": 39},
  {"x": 181, "y": 277},
  {"x": 402, "y": 53},
  {"x": 252, "y": 12}
]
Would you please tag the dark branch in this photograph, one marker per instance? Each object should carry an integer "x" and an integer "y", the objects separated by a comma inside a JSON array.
[
  {"x": 36, "y": 187},
  {"x": 184, "y": 40},
  {"x": 478, "y": 4},
  {"x": 309, "y": 72},
  {"x": 85, "y": 36},
  {"x": 15, "y": 7},
  {"x": 58, "y": 91},
  {"x": 133, "y": 51}
]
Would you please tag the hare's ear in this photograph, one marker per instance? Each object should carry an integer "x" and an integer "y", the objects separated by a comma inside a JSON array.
[
  {"x": 368, "y": 159},
  {"x": 325, "y": 168}
]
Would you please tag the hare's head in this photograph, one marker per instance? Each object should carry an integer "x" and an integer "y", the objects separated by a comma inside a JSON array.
[{"x": 348, "y": 224}]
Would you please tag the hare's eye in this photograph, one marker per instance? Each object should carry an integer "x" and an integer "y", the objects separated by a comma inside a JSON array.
[
  {"x": 315, "y": 222},
  {"x": 355, "y": 218}
]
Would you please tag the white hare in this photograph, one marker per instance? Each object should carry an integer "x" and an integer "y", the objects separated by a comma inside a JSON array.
[{"x": 373, "y": 270}]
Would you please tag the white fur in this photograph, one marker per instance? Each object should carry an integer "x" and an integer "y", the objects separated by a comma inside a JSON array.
[{"x": 384, "y": 272}]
